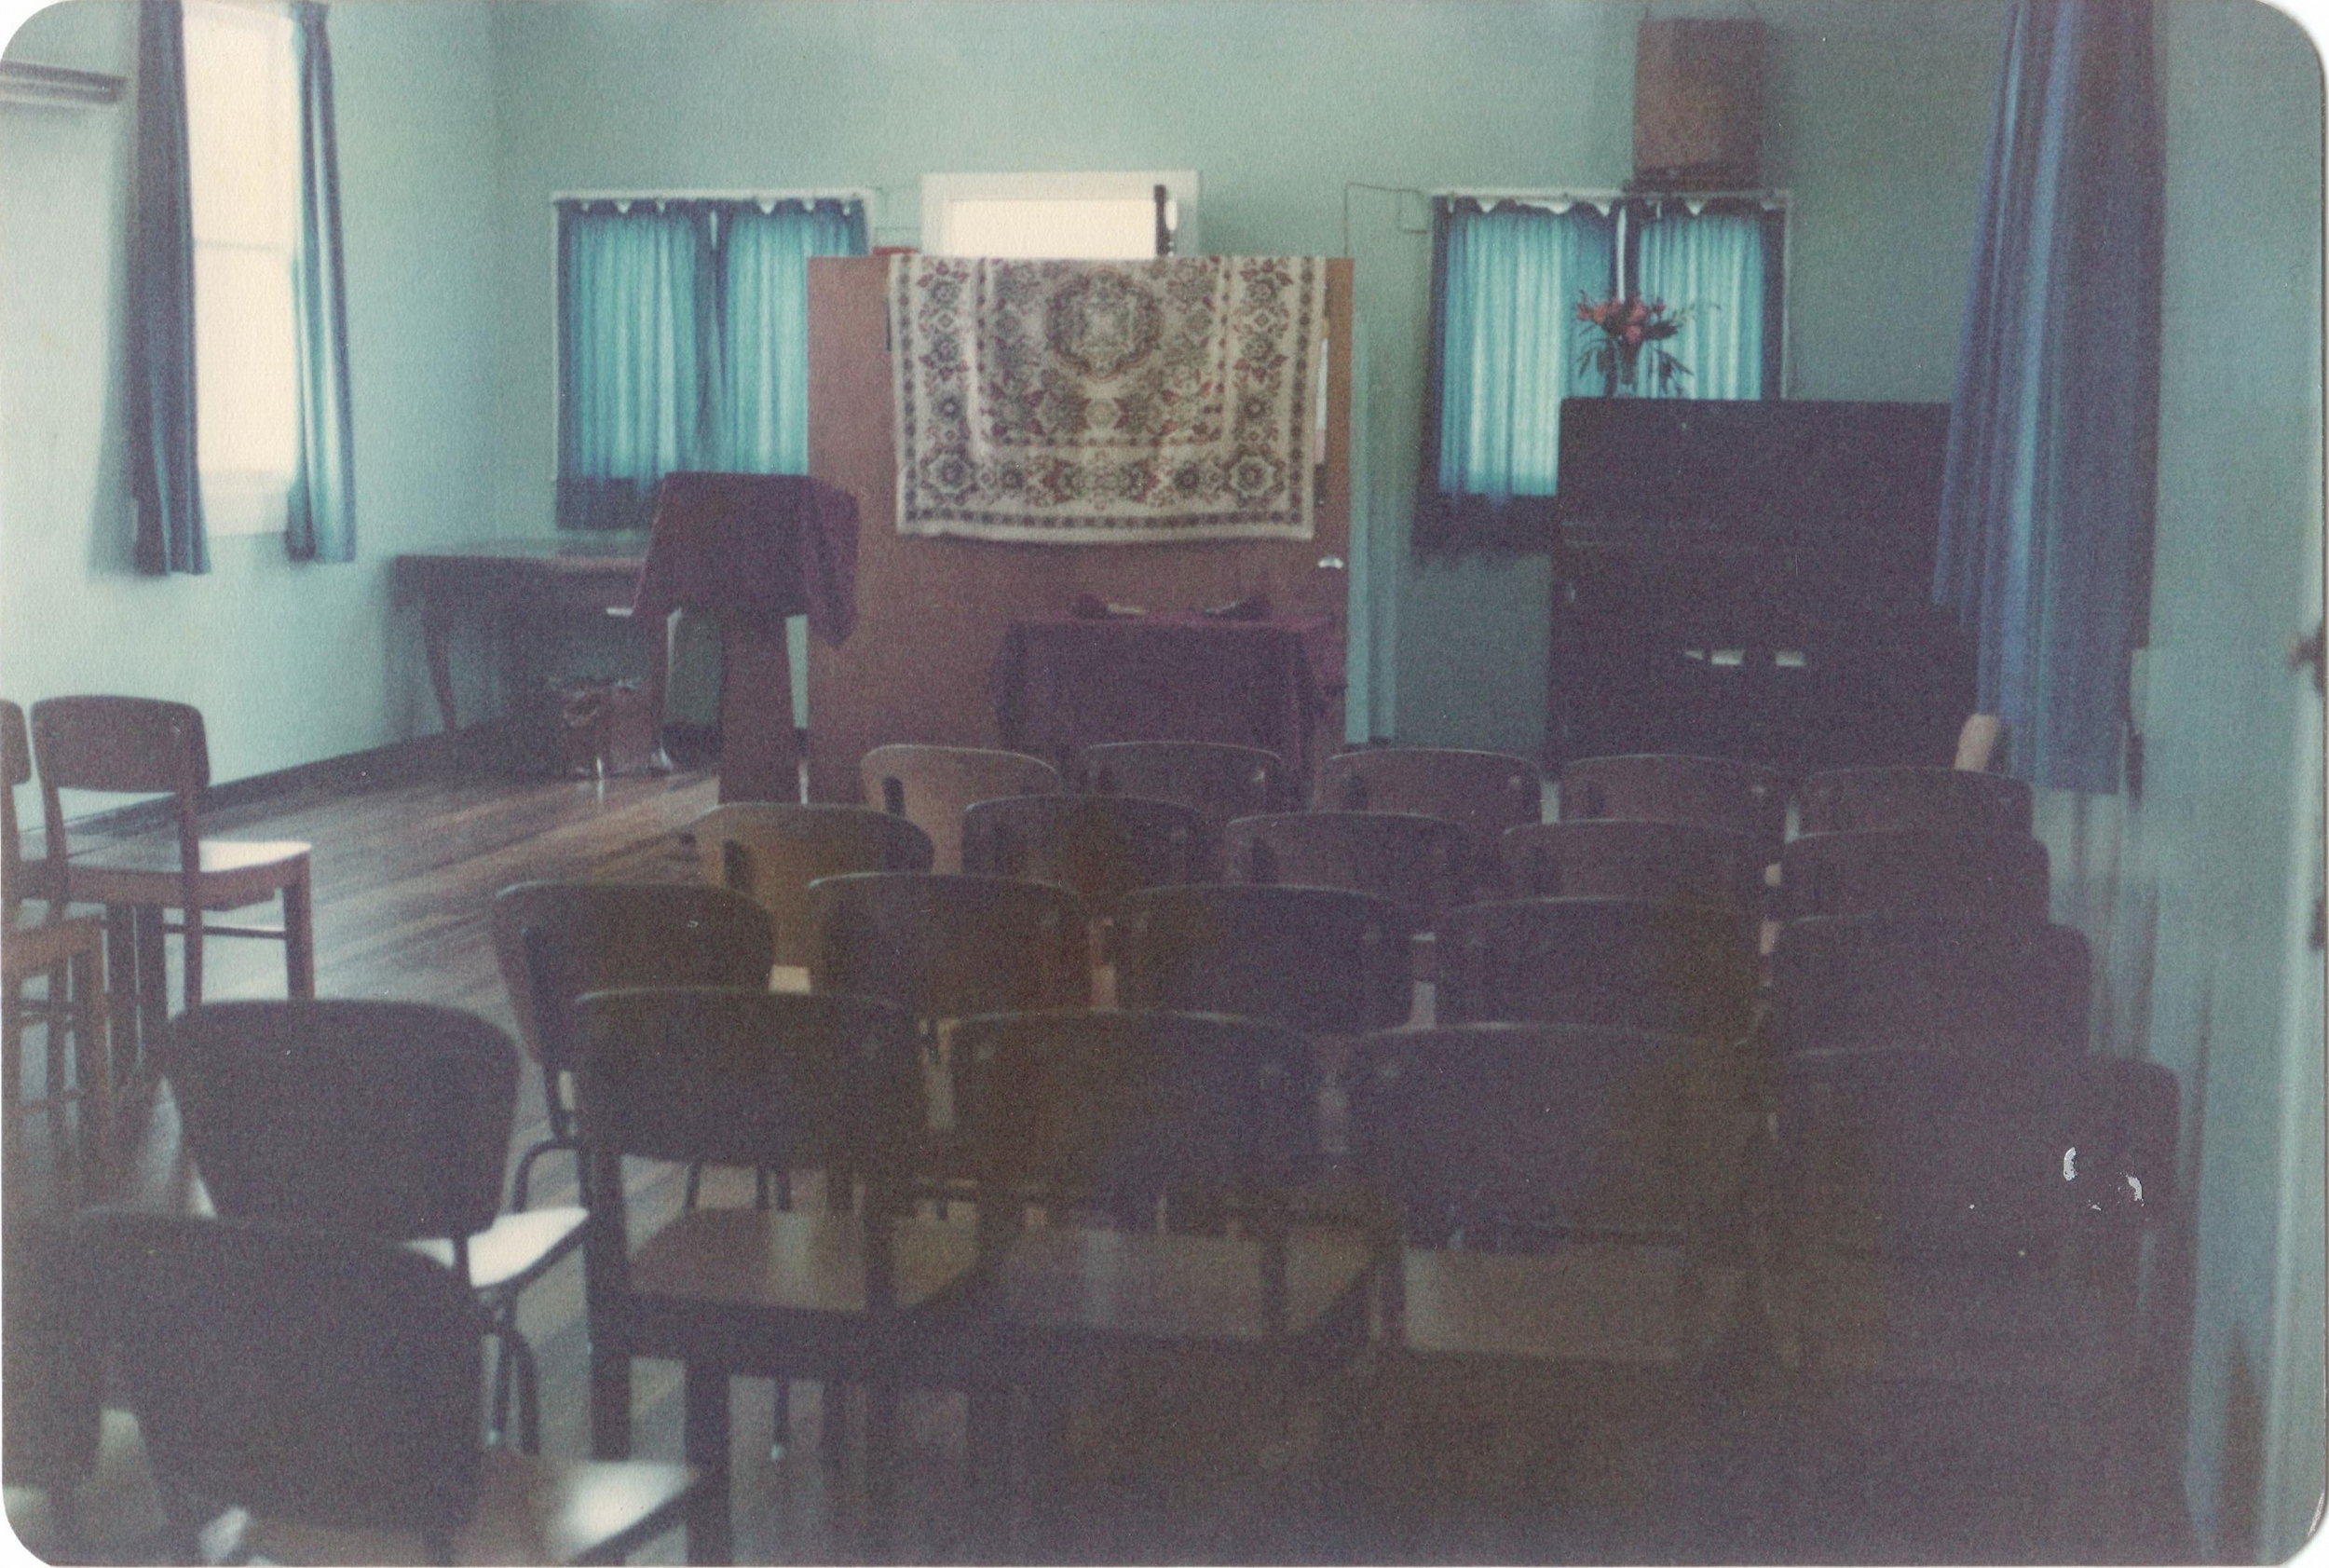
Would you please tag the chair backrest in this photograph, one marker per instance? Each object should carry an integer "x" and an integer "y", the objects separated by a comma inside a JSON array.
[
  {"x": 1668, "y": 862},
  {"x": 1323, "y": 959},
  {"x": 1858, "y": 799},
  {"x": 556, "y": 940},
  {"x": 744, "y": 1077},
  {"x": 1124, "y": 1108},
  {"x": 1099, "y": 847},
  {"x": 120, "y": 746},
  {"x": 1714, "y": 792},
  {"x": 942, "y": 946},
  {"x": 382, "y": 1118},
  {"x": 1529, "y": 1123},
  {"x": 1965, "y": 986},
  {"x": 771, "y": 851},
  {"x": 1482, "y": 792},
  {"x": 1915, "y": 870},
  {"x": 930, "y": 787},
  {"x": 1614, "y": 962},
  {"x": 311, "y": 1376},
  {"x": 1221, "y": 783},
  {"x": 1919, "y": 1155},
  {"x": 1425, "y": 864}
]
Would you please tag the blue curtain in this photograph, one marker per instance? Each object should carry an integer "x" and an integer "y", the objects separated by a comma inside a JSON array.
[
  {"x": 322, "y": 509},
  {"x": 164, "y": 479},
  {"x": 1506, "y": 285},
  {"x": 639, "y": 355},
  {"x": 2046, "y": 517},
  {"x": 1712, "y": 264},
  {"x": 764, "y": 325}
]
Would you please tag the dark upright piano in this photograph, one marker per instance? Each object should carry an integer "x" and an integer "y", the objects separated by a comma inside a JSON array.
[{"x": 1753, "y": 579}]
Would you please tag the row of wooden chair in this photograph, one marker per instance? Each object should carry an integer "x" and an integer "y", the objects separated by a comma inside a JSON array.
[
  {"x": 1482, "y": 793},
  {"x": 1574, "y": 1163}
]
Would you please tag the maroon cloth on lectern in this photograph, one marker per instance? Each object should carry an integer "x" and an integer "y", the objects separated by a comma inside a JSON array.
[
  {"x": 760, "y": 546},
  {"x": 1060, "y": 683}
]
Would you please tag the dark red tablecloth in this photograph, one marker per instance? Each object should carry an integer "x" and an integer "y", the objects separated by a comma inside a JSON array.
[
  {"x": 1061, "y": 683},
  {"x": 756, "y": 546}
]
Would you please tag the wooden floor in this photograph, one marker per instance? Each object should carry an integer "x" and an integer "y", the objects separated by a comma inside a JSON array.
[{"x": 402, "y": 877}]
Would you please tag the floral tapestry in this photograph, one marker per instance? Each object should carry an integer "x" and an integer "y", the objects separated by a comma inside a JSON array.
[{"x": 1096, "y": 402}]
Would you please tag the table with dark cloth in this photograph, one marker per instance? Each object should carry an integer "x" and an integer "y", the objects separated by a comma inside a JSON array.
[
  {"x": 751, "y": 549},
  {"x": 1064, "y": 682}
]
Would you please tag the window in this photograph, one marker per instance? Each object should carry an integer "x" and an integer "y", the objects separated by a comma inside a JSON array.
[
  {"x": 1506, "y": 345},
  {"x": 682, "y": 341},
  {"x": 242, "y": 134},
  {"x": 1087, "y": 217}
]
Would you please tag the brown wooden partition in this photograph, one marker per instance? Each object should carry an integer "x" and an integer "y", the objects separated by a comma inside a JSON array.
[{"x": 931, "y": 612}]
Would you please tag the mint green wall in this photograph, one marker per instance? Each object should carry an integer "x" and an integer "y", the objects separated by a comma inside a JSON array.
[
  {"x": 289, "y": 664},
  {"x": 1879, "y": 122},
  {"x": 2201, "y": 892}
]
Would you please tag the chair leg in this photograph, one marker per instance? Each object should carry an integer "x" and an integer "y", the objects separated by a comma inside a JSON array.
[
  {"x": 498, "y": 1412},
  {"x": 882, "y": 1472},
  {"x": 299, "y": 939},
  {"x": 610, "y": 1404},
  {"x": 152, "y": 980},
  {"x": 193, "y": 957},
  {"x": 529, "y": 1397},
  {"x": 710, "y": 1529}
]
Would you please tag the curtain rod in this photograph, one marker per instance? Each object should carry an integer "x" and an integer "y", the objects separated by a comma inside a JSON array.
[
  {"x": 1478, "y": 193},
  {"x": 852, "y": 193}
]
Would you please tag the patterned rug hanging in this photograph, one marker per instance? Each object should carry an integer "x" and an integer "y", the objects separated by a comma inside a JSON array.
[{"x": 1104, "y": 402}]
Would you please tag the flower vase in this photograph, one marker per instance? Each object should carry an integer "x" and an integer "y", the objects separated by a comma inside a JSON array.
[{"x": 1628, "y": 364}]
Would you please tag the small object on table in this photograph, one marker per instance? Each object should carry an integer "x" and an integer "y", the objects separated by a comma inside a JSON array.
[
  {"x": 1253, "y": 607},
  {"x": 1091, "y": 606}
]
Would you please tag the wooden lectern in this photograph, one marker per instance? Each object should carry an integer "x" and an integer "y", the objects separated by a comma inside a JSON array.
[{"x": 749, "y": 550}]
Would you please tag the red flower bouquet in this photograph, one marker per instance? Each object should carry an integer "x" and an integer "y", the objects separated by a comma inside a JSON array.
[{"x": 1625, "y": 325}]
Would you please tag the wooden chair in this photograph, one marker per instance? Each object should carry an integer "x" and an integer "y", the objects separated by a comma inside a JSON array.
[
  {"x": 1916, "y": 871},
  {"x": 1614, "y": 962},
  {"x": 1099, "y": 847},
  {"x": 1183, "y": 1351},
  {"x": 136, "y": 745},
  {"x": 386, "y": 1119},
  {"x": 1423, "y": 864},
  {"x": 1221, "y": 783},
  {"x": 1557, "y": 1363},
  {"x": 1956, "y": 1261},
  {"x": 1482, "y": 792},
  {"x": 1667, "y": 862},
  {"x": 65, "y": 948},
  {"x": 555, "y": 941},
  {"x": 770, "y": 851},
  {"x": 328, "y": 1383},
  {"x": 1714, "y": 792},
  {"x": 1960, "y": 985},
  {"x": 929, "y": 785},
  {"x": 736, "y": 1077},
  {"x": 1858, "y": 799},
  {"x": 1323, "y": 960},
  {"x": 944, "y": 947}
]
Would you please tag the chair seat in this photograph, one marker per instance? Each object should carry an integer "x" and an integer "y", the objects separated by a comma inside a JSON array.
[
  {"x": 1599, "y": 1303},
  {"x": 147, "y": 870},
  {"x": 32, "y": 945},
  {"x": 786, "y": 1261},
  {"x": 528, "y": 1510},
  {"x": 1956, "y": 1325},
  {"x": 517, "y": 1249},
  {"x": 1126, "y": 1288}
]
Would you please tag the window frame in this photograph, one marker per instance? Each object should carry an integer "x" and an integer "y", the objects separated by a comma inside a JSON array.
[
  {"x": 1181, "y": 189},
  {"x": 244, "y": 502},
  {"x": 1447, "y": 522}
]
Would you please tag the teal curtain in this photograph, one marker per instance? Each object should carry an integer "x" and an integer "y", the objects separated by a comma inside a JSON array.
[
  {"x": 2047, "y": 500},
  {"x": 764, "y": 325},
  {"x": 639, "y": 355},
  {"x": 322, "y": 510},
  {"x": 1505, "y": 296},
  {"x": 1711, "y": 264},
  {"x": 164, "y": 479}
]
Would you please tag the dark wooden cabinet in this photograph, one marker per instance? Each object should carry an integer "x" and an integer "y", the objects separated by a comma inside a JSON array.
[{"x": 1753, "y": 579}]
